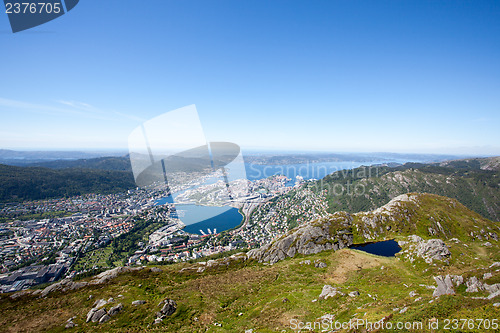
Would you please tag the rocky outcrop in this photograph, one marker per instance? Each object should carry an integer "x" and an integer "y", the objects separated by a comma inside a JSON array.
[
  {"x": 429, "y": 250},
  {"x": 67, "y": 284},
  {"x": 444, "y": 286},
  {"x": 168, "y": 308},
  {"x": 112, "y": 273},
  {"x": 330, "y": 233},
  {"x": 63, "y": 285},
  {"x": 433, "y": 249},
  {"x": 115, "y": 309}
]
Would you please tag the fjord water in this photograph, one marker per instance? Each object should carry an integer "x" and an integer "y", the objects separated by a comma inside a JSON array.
[
  {"x": 220, "y": 218},
  {"x": 223, "y": 218},
  {"x": 387, "y": 248}
]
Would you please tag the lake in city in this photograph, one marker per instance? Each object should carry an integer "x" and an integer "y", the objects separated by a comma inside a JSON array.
[{"x": 222, "y": 218}]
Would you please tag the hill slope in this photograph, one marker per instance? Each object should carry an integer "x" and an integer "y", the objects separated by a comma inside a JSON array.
[
  {"x": 234, "y": 294},
  {"x": 473, "y": 182},
  {"x": 30, "y": 183}
]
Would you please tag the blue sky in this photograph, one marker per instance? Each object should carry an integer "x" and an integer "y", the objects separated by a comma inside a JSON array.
[{"x": 400, "y": 76}]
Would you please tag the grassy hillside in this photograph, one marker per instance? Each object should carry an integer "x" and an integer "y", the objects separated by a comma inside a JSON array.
[{"x": 233, "y": 294}]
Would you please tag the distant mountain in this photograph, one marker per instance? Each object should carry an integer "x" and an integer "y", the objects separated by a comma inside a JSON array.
[
  {"x": 121, "y": 163},
  {"x": 301, "y": 158},
  {"x": 473, "y": 182},
  {"x": 33, "y": 183},
  {"x": 21, "y": 158}
]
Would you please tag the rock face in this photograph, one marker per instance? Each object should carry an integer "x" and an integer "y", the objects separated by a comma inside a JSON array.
[
  {"x": 333, "y": 232},
  {"x": 433, "y": 249},
  {"x": 68, "y": 284}
]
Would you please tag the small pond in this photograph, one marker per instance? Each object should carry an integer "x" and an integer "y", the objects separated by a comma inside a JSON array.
[{"x": 385, "y": 248}]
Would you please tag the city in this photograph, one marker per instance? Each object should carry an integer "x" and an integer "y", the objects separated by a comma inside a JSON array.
[{"x": 42, "y": 241}]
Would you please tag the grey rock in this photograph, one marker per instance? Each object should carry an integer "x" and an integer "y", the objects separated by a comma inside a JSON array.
[
  {"x": 320, "y": 265},
  {"x": 70, "y": 324},
  {"x": 487, "y": 276},
  {"x": 99, "y": 303},
  {"x": 414, "y": 238},
  {"x": 413, "y": 293},
  {"x": 115, "y": 309},
  {"x": 493, "y": 288},
  {"x": 354, "y": 293},
  {"x": 309, "y": 238},
  {"x": 169, "y": 307},
  {"x": 63, "y": 285},
  {"x": 104, "y": 319},
  {"x": 90, "y": 314},
  {"x": 156, "y": 270},
  {"x": 111, "y": 274},
  {"x": 496, "y": 305},
  {"x": 433, "y": 249},
  {"x": 474, "y": 285},
  {"x": 444, "y": 286},
  {"x": 157, "y": 321},
  {"x": 98, "y": 315},
  {"x": 305, "y": 262},
  {"x": 457, "y": 280},
  {"x": 138, "y": 302},
  {"x": 329, "y": 291},
  {"x": 493, "y": 295}
]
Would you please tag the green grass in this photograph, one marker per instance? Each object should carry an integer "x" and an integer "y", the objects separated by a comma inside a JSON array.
[{"x": 248, "y": 295}]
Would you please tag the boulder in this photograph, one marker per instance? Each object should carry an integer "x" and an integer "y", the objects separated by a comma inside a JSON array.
[
  {"x": 138, "y": 302},
  {"x": 444, "y": 286},
  {"x": 115, "y": 309},
  {"x": 433, "y": 249},
  {"x": 474, "y": 285},
  {"x": 99, "y": 303},
  {"x": 329, "y": 291},
  {"x": 90, "y": 314},
  {"x": 104, "y": 318},
  {"x": 320, "y": 265},
  {"x": 354, "y": 293},
  {"x": 70, "y": 324},
  {"x": 168, "y": 308},
  {"x": 98, "y": 315}
]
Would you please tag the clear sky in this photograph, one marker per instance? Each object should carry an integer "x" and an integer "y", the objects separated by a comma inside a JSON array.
[{"x": 400, "y": 76}]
